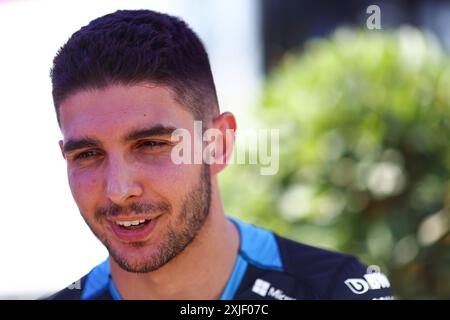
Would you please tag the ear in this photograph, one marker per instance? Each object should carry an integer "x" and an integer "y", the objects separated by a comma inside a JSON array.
[
  {"x": 225, "y": 126},
  {"x": 61, "y": 146}
]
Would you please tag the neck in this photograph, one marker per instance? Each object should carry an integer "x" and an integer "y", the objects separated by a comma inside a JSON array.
[{"x": 201, "y": 271}]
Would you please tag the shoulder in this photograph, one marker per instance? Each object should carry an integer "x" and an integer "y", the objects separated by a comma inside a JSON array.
[
  {"x": 94, "y": 285},
  {"x": 71, "y": 292},
  {"x": 279, "y": 268},
  {"x": 332, "y": 275}
]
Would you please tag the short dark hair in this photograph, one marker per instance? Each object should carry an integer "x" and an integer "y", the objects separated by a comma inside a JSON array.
[{"x": 132, "y": 46}]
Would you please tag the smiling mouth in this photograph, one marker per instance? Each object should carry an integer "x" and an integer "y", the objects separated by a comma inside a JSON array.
[
  {"x": 133, "y": 230},
  {"x": 133, "y": 224}
]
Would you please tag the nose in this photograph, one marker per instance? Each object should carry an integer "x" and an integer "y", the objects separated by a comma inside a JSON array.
[{"x": 122, "y": 184}]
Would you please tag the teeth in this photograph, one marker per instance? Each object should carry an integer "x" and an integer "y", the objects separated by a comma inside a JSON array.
[{"x": 130, "y": 223}]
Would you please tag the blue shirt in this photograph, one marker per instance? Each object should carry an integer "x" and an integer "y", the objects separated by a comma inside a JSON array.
[{"x": 268, "y": 267}]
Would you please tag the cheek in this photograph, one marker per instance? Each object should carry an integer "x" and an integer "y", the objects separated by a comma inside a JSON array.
[
  {"x": 171, "y": 180},
  {"x": 84, "y": 186}
]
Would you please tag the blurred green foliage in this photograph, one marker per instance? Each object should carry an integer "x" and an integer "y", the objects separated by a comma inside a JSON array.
[{"x": 364, "y": 120}]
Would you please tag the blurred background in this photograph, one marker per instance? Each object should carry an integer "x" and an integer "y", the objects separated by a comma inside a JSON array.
[{"x": 363, "y": 111}]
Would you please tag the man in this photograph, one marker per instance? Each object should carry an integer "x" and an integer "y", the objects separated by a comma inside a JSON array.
[{"x": 122, "y": 85}]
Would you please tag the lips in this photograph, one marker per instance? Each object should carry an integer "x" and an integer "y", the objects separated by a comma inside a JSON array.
[
  {"x": 133, "y": 229},
  {"x": 133, "y": 223}
]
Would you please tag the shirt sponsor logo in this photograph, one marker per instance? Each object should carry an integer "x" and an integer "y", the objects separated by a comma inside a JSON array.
[
  {"x": 265, "y": 289},
  {"x": 75, "y": 285},
  {"x": 370, "y": 281}
]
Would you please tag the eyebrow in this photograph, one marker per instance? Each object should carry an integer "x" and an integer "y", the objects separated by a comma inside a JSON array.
[
  {"x": 75, "y": 144},
  {"x": 158, "y": 130}
]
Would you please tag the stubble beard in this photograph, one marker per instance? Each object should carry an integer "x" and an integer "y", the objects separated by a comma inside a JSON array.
[{"x": 192, "y": 216}]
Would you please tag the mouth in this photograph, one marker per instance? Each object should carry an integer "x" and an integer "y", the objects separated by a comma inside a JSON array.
[
  {"x": 133, "y": 230},
  {"x": 132, "y": 224}
]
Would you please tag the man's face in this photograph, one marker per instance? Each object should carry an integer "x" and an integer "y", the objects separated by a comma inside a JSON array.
[{"x": 117, "y": 141}]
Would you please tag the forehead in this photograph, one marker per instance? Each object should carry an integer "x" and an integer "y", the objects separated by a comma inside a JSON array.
[{"x": 118, "y": 108}]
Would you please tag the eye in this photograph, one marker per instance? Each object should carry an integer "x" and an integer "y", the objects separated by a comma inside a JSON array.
[
  {"x": 151, "y": 144},
  {"x": 86, "y": 155}
]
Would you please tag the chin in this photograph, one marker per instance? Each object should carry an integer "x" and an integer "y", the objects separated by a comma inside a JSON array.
[{"x": 136, "y": 257}]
